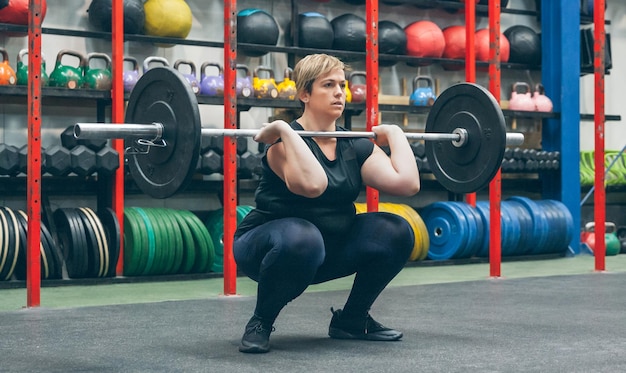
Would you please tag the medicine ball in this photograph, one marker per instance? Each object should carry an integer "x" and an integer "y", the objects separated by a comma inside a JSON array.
[
  {"x": 167, "y": 18},
  {"x": 424, "y": 39},
  {"x": 455, "y": 45},
  {"x": 481, "y": 44},
  {"x": 15, "y": 12},
  {"x": 349, "y": 33},
  {"x": 355, "y": 2},
  {"x": 256, "y": 26},
  {"x": 525, "y": 45},
  {"x": 134, "y": 15},
  {"x": 391, "y": 40},
  {"x": 314, "y": 31}
]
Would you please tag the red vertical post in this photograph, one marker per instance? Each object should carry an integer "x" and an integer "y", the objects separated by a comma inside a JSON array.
[
  {"x": 230, "y": 157},
  {"x": 495, "y": 186},
  {"x": 371, "y": 69},
  {"x": 117, "y": 114},
  {"x": 33, "y": 209},
  {"x": 470, "y": 60},
  {"x": 599, "y": 119}
]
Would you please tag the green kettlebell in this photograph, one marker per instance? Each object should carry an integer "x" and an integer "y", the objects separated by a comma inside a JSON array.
[
  {"x": 66, "y": 76},
  {"x": 22, "y": 69},
  {"x": 613, "y": 246},
  {"x": 98, "y": 77}
]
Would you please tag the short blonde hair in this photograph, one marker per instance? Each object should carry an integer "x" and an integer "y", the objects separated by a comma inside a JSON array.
[{"x": 312, "y": 67}]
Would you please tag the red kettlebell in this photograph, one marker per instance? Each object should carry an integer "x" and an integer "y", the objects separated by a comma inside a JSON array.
[
  {"x": 359, "y": 90},
  {"x": 130, "y": 76},
  {"x": 521, "y": 97},
  {"x": 7, "y": 74},
  {"x": 542, "y": 102},
  {"x": 612, "y": 244},
  {"x": 191, "y": 76}
]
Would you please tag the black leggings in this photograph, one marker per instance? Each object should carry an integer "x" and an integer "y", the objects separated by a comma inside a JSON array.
[{"x": 287, "y": 255}]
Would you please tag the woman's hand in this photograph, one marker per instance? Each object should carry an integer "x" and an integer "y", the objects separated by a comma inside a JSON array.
[
  {"x": 386, "y": 131},
  {"x": 271, "y": 132}
]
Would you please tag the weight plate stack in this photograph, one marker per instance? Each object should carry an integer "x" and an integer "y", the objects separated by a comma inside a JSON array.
[
  {"x": 215, "y": 225},
  {"x": 447, "y": 230}
]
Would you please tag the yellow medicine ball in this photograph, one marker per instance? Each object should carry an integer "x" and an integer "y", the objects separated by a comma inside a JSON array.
[{"x": 167, "y": 18}]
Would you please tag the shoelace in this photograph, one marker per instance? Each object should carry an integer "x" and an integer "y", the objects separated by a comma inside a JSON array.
[{"x": 260, "y": 329}]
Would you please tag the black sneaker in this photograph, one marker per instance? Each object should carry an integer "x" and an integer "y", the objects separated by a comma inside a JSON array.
[
  {"x": 365, "y": 328},
  {"x": 256, "y": 338}
]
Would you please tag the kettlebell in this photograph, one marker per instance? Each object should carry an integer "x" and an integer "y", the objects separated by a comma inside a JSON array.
[
  {"x": 359, "y": 90},
  {"x": 7, "y": 74},
  {"x": 98, "y": 77},
  {"x": 423, "y": 92},
  {"x": 588, "y": 236},
  {"x": 130, "y": 76},
  {"x": 542, "y": 102},
  {"x": 21, "y": 71},
  {"x": 287, "y": 88},
  {"x": 212, "y": 85},
  {"x": 348, "y": 92},
  {"x": 244, "y": 83},
  {"x": 521, "y": 97},
  {"x": 264, "y": 87},
  {"x": 150, "y": 60},
  {"x": 191, "y": 76},
  {"x": 71, "y": 77}
]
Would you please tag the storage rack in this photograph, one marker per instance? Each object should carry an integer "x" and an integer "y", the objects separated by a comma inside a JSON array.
[{"x": 556, "y": 69}]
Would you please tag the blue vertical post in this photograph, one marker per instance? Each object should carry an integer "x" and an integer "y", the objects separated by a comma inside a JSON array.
[{"x": 560, "y": 69}]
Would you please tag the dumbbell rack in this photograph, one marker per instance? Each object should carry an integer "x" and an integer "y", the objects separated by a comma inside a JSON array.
[{"x": 554, "y": 66}]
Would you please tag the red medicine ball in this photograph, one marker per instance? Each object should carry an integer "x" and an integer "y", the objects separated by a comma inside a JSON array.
[
  {"x": 424, "y": 39},
  {"x": 454, "y": 37},
  {"x": 481, "y": 43}
]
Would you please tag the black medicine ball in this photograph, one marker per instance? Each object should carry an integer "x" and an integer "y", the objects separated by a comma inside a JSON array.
[
  {"x": 256, "y": 26},
  {"x": 391, "y": 40},
  {"x": 349, "y": 33},
  {"x": 314, "y": 31},
  {"x": 134, "y": 16},
  {"x": 525, "y": 45},
  {"x": 503, "y": 3}
]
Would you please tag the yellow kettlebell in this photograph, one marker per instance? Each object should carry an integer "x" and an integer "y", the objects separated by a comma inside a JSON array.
[
  {"x": 287, "y": 88},
  {"x": 264, "y": 87}
]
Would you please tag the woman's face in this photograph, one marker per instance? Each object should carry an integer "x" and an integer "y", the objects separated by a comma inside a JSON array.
[{"x": 328, "y": 94}]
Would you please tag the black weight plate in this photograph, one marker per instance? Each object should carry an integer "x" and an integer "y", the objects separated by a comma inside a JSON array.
[
  {"x": 71, "y": 242},
  {"x": 470, "y": 167},
  {"x": 162, "y": 95},
  {"x": 112, "y": 231},
  {"x": 93, "y": 251},
  {"x": 54, "y": 257},
  {"x": 13, "y": 237},
  {"x": 20, "y": 267}
]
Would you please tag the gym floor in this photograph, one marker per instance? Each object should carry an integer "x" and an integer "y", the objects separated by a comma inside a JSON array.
[{"x": 555, "y": 315}]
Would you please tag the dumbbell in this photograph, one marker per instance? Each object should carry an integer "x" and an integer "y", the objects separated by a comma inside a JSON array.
[
  {"x": 107, "y": 160},
  {"x": 210, "y": 163},
  {"x": 57, "y": 160},
  {"x": 217, "y": 144},
  {"x": 249, "y": 163},
  {"x": 9, "y": 160},
  {"x": 419, "y": 149},
  {"x": 83, "y": 160}
]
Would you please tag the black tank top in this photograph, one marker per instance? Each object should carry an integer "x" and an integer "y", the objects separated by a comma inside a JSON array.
[{"x": 333, "y": 211}]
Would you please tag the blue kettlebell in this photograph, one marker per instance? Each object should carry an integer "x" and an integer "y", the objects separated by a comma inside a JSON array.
[{"x": 423, "y": 93}]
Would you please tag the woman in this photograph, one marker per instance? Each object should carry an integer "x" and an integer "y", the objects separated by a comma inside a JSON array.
[{"x": 304, "y": 229}]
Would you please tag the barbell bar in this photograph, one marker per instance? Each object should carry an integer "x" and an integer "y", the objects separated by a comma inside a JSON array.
[
  {"x": 154, "y": 131},
  {"x": 465, "y": 134}
]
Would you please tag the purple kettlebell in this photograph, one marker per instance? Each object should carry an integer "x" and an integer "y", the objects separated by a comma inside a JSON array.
[
  {"x": 212, "y": 85},
  {"x": 130, "y": 77}
]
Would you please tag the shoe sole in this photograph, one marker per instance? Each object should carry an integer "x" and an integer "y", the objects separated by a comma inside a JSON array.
[
  {"x": 340, "y": 334},
  {"x": 254, "y": 349}
]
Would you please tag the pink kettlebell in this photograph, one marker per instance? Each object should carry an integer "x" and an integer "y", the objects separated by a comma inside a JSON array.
[
  {"x": 521, "y": 97},
  {"x": 542, "y": 102}
]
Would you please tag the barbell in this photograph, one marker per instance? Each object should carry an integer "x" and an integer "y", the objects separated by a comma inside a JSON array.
[{"x": 465, "y": 135}]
